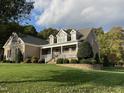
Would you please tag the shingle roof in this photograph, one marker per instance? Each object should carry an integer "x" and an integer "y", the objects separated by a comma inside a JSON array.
[
  {"x": 81, "y": 34},
  {"x": 33, "y": 40},
  {"x": 84, "y": 32}
]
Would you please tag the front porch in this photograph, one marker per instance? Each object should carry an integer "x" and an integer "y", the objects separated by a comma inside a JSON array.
[{"x": 59, "y": 51}]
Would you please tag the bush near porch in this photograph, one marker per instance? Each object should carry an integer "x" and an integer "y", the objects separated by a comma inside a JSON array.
[
  {"x": 62, "y": 61},
  {"x": 76, "y": 61}
]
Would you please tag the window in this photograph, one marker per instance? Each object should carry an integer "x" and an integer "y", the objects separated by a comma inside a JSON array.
[
  {"x": 73, "y": 35},
  {"x": 51, "y": 39},
  {"x": 8, "y": 53},
  {"x": 62, "y": 37}
]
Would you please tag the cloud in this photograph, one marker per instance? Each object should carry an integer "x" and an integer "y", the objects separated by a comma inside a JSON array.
[{"x": 79, "y": 13}]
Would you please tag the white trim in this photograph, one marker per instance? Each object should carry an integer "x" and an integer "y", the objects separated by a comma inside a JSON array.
[
  {"x": 59, "y": 44},
  {"x": 51, "y": 39},
  {"x": 73, "y": 31},
  {"x": 61, "y": 30},
  {"x": 10, "y": 39},
  {"x": 51, "y": 36},
  {"x": 32, "y": 45},
  {"x": 61, "y": 39},
  {"x": 73, "y": 35},
  {"x": 21, "y": 40}
]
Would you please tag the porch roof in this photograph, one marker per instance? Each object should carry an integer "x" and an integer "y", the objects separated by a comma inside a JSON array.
[{"x": 59, "y": 44}]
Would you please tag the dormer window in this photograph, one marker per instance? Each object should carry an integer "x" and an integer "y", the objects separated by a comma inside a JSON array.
[
  {"x": 51, "y": 39},
  {"x": 61, "y": 36},
  {"x": 73, "y": 35}
]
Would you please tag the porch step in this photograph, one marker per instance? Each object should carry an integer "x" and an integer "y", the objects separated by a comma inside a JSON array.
[{"x": 52, "y": 61}]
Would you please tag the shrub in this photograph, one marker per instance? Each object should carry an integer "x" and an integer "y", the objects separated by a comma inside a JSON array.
[
  {"x": 93, "y": 61},
  {"x": 106, "y": 62},
  {"x": 85, "y": 51},
  {"x": 27, "y": 60},
  {"x": 42, "y": 61},
  {"x": 97, "y": 58},
  {"x": 60, "y": 61},
  {"x": 34, "y": 59},
  {"x": 74, "y": 61},
  {"x": 19, "y": 56},
  {"x": 88, "y": 61},
  {"x": 65, "y": 61},
  {"x": 1, "y": 57},
  {"x": 3, "y": 61},
  {"x": 121, "y": 63},
  {"x": 7, "y": 61}
]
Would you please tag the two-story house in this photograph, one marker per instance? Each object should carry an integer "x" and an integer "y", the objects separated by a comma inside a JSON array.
[{"x": 64, "y": 44}]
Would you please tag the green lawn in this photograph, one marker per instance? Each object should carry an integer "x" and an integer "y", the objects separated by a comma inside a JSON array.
[{"x": 37, "y": 78}]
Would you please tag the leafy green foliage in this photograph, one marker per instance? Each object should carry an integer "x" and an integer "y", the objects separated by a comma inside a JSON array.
[
  {"x": 6, "y": 30},
  {"x": 110, "y": 45},
  {"x": 34, "y": 59},
  {"x": 14, "y": 10},
  {"x": 88, "y": 61},
  {"x": 59, "y": 61},
  {"x": 19, "y": 56},
  {"x": 74, "y": 61},
  {"x": 47, "y": 32},
  {"x": 65, "y": 61},
  {"x": 62, "y": 61},
  {"x": 29, "y": 30},
  {"x": 97, "y": 58},
  {"x": 27, "y": 60},
  {"x": 85, "y": 51},
  {"x": 42, "y": 61},
  {"x": 7, "y": 61}
]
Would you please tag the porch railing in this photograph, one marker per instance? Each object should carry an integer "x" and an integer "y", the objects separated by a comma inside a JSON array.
[
  {"x": 47, "y": 57},
  {"x": 67, "y": 56}
]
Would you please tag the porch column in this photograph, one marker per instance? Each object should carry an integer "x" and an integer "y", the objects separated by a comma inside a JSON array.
[
  {"x": 40, "y": 53},
  {"x": 52, "y": 51},
  {"x": 61, "y": 49},
  {"x": 77, "y": 47}
]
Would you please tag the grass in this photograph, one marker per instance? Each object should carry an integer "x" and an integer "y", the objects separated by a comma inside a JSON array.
[{"x": 37, "y": 78}]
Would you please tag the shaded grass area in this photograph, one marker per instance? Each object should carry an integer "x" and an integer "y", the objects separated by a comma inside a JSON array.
[
  {"x": 117, "y": 69},
  {"x": 37, "y": 78}
]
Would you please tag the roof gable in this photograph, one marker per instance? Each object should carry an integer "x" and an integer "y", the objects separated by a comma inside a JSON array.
[
  {"x": 72, "y": 31},
  {"x": 25, "y": 39},
  {"x": 51, "y": 36},
  {"x": 11, "y": 38},
  {"x": 61, "y": 31},
  {"x": 84, "y": 33}
]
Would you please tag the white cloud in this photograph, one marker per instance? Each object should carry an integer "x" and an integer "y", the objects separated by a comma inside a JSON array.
[{"x": 79, "y": 13}]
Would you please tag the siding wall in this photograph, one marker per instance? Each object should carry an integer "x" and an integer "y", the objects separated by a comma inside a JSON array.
[
  {"x": 32, "y": 51},
  {"x": 5, "y": 52}
]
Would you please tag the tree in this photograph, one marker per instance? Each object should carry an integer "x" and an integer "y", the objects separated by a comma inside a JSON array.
[
  {"x": 99, "y": 31},
  {"x": 11, "y": 12},
  {"x": 110, "y": 45},
  {"x": 29, "y": 30},
  {"x": 6, "y": 30},
  {"x": 18, "y": 56},
  {"x": 14, "y": 10},
  {"x": 47, "y": 32},
  {"x": 85, "y": 51},
  {"x": 114, "y": 45}
]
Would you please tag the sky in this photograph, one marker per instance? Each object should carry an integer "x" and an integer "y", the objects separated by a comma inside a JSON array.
[{"x": 77, "y": 14}]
